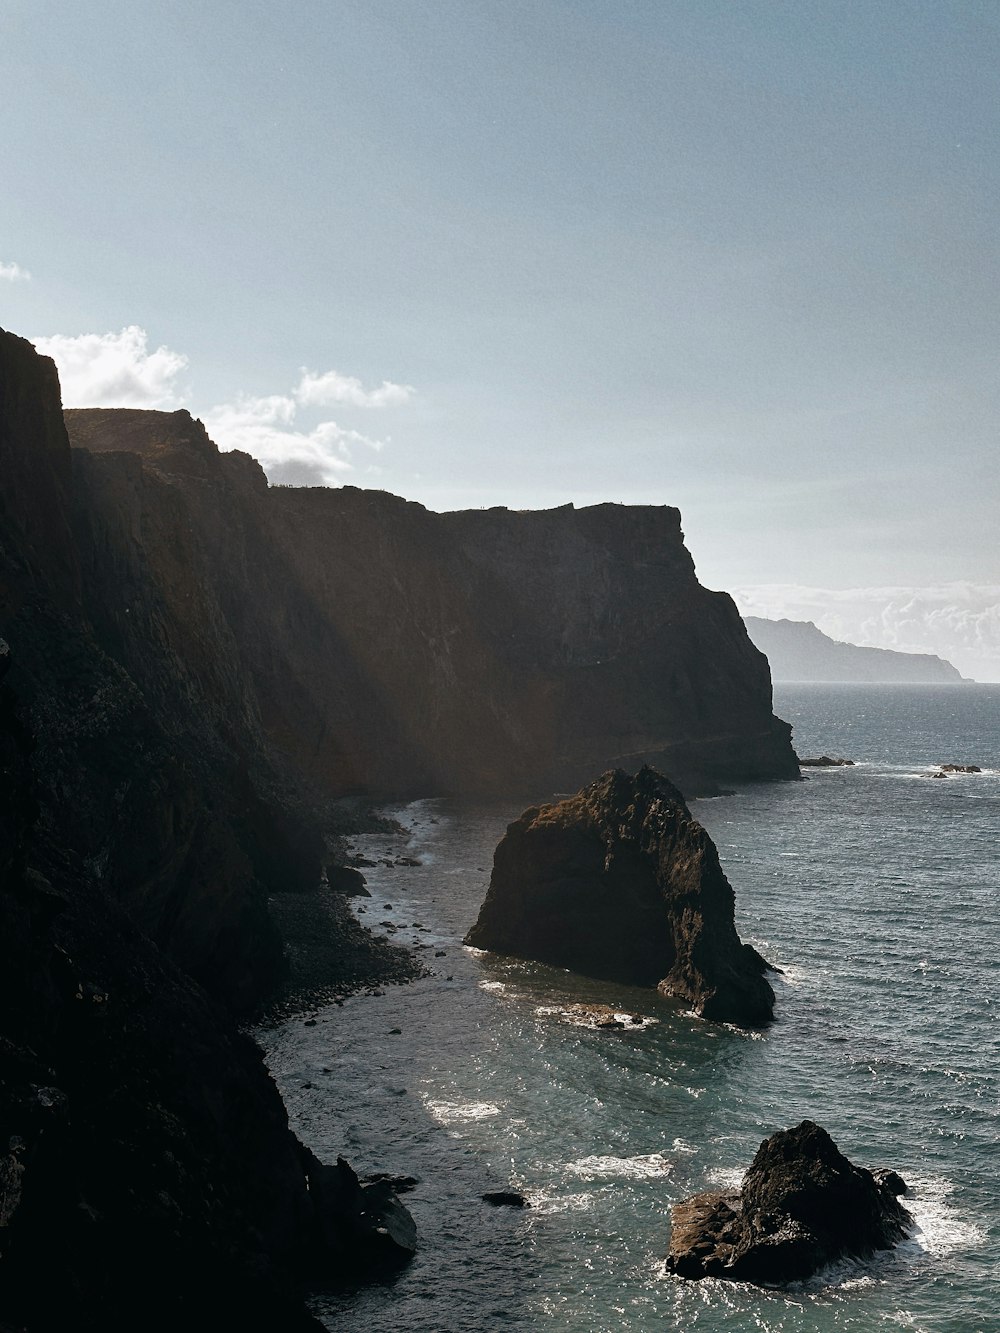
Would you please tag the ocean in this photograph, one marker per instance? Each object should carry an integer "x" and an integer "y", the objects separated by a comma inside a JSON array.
[{"x": 875, "y": 889}]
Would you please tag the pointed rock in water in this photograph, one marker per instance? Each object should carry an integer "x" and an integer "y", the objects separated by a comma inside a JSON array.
[
  {"x": 802, "y": 1206},
  {"x": 621, "y": 883}
]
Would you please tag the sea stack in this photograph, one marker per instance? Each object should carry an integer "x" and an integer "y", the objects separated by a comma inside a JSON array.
[
  {"x": 802, "y": 1206},
  {"x": 621, "y": 883}
]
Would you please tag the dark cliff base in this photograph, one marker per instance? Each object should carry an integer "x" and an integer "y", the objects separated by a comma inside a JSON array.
[
  {"x": 620, "y": 882},
  {"x": 148, "y": 1177}
]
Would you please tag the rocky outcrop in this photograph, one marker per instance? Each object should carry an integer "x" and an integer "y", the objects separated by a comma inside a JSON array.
[
  {"x": 802, "y": 1206},
  {"x": 798, "y": 651},
  {"x": 824, "y": 761},
  {"x": 620, "y": 882},
  {"x": 390, "y": 650}
]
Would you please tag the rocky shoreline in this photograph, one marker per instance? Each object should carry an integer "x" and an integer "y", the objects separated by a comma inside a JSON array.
[{"x": 200, "y": 666}]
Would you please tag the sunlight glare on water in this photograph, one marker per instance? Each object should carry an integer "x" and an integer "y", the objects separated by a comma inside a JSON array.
[{"x": 875, "y": 888}]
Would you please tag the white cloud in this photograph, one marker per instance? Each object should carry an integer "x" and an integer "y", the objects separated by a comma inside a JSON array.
[
  {"x": 332, "y": 387},
  {"x": 115, "y": 369},
  {"x": 119, "y": 370},
  {"x": 957, "y": 621},
  {"x": 13, "y": 273},
  {"x": 265, "y": 428}
]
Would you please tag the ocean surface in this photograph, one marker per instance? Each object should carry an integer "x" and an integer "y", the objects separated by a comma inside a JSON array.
[{"x": 875, "y": 888}]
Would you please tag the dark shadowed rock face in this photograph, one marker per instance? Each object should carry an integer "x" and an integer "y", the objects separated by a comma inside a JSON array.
[
  {"x": 620, "y": 882},
  {"x": 802, "y": 1206},
  {"x": 126, "y": 599},
  {"x": 148, "y": 1176}
]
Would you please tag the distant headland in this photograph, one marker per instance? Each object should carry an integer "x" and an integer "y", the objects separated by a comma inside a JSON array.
[{"x": 798, "y": 651}]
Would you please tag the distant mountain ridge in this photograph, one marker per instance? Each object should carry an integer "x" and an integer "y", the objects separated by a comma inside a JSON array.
[{"x": 797, "y": 650}]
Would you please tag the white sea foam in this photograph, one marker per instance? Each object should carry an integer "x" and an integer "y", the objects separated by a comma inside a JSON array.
[
  {"x": 748, "y": 1034},
  {"x": 941, "y": 1228},
  {"x": 450, "y": 1113},
  {"x": 643, "y": 1167},
  {"x": 792, "y": 975},
  {"x": 595, "y": 1016},
  {"x": 545, "y": 1202},
  {"x": 726, "y": 1177}
]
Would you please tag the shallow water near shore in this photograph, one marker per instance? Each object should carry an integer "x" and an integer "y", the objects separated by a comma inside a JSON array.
[{"x": 875, "y": 888}]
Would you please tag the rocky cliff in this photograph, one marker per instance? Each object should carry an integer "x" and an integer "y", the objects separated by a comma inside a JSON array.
[
  {"x": 197, "y": 663},
  {"x": 388, "y": 649},
  {"x": 798, "y": 651},
  {"x": 621, "y": 883},
  {"x": 147, "y": 1173}
]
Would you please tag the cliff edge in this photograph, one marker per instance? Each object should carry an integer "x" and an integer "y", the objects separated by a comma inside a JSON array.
[{"x": 390, "y": 650}]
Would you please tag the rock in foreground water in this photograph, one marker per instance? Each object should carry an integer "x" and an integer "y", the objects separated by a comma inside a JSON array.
[
  {"x": 621, "y": 883},
  {"x": 802, "y": 1206}
]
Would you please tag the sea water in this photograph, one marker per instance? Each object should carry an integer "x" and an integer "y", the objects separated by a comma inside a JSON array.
[{"x": 875, "y": 889}]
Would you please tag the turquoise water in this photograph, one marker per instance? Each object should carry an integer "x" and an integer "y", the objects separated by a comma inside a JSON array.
[{"x": 874, "y": 887}]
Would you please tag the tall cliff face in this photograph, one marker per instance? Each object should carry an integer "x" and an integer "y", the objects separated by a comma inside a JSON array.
[
  {"x": 392, "y": 650},
  {"x": 143, "y": 824},
  {"x": 636, "y": 660},
  {"x": 151, "y": 780}
]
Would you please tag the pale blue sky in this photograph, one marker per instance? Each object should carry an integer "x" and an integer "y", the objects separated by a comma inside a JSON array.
[{"x": 738, "y": 257}]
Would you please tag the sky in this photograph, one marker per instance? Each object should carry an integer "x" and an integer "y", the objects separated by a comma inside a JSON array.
[{"x": 738, "y": 256}]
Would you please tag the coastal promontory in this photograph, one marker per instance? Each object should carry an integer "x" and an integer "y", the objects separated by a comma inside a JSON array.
[{"x": 621, "y": 883}]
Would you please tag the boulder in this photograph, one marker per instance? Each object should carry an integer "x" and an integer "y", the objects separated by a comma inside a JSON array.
[
  {"x": 960, "y": 768},
  {"x": 621, "y": 883},
  {"x": 347, "y": 880},
  {"x": 802, "y": 1206}
]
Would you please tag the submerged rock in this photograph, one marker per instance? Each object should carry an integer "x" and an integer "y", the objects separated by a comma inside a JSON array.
[
  {"x": 506, "y": 1199},
  {"x": 802, "y": 1205},
  {"x": 824, "y": 761},
  {"x": 960, "y": 768},
  {"x": 620, "y": 882}
]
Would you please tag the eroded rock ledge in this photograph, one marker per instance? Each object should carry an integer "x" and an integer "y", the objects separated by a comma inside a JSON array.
[
  {"x": 802, "y": 1206},
  {"x": 620, "y": 882}
]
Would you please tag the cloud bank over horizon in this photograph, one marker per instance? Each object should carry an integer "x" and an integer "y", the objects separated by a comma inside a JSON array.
[
  {"x": 120, "y": 370},
  {"x": 959, "y": 621},
  {"x": 115, "y": 369}
]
